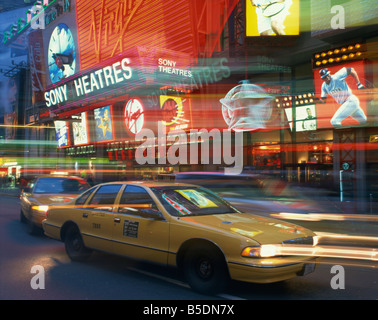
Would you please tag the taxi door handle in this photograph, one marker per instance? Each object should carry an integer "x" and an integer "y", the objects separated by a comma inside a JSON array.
[
  {"x": 85, "y": 215},
  {"x": 118, "y": 220}
]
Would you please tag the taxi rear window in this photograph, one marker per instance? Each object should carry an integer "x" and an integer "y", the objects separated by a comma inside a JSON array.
[{"x": 60, "y": 185}]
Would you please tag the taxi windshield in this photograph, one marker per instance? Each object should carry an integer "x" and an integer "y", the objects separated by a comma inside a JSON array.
[
  {"x": 60, "y": 185},
  {"x": 189, "y": 201}
]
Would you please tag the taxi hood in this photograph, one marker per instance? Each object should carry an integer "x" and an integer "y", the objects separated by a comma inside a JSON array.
[{"x": 261, "y": 229}]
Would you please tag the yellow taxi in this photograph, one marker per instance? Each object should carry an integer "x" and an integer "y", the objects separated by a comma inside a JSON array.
[
  {"x": 42, "y": 192},
  {"x": 180, "y": 225}
]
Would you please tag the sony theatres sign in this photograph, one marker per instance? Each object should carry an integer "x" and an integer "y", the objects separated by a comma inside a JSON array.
[
  {"x": 118, "y": 46},
  {"x": 90, "y": 83}
]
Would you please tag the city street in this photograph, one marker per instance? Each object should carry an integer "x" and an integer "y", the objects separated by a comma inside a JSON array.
[{"x": 106, "y": 277}]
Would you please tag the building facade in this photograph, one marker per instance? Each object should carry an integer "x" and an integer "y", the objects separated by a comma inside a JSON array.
[{"x": 107, "y": 77}]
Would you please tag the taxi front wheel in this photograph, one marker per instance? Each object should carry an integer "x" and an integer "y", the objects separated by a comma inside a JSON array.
[
  {"x": 74, "y": 244},
  {"x": 205, "y": 270}
]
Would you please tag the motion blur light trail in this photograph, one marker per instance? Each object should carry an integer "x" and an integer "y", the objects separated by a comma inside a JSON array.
[
  {"x": 353, "y": 246},
  {"x": 324, "y": 216},
  {"x": 329, "y": 252},
  {"x": 336, "y": 236}
]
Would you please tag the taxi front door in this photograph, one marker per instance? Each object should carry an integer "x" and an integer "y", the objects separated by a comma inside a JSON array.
[{"x": 137, "y": 234}]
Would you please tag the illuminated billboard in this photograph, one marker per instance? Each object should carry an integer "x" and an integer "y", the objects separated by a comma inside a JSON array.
[
  {"x": 88, "y": 86},
  {"x": 80, "y": 130},
  {"x": 134, "y": 116},
  {"x": 107, "y": 28},
  {"x": 305, "y": 118},
  {"x": 342, "y": 94},
  {"x": 61, "y": 51},
  {"x": 103, "y": 123},
  {"x": 176, "y": 112},
  {"x": 131, "y": 70},
  {"x": 272, "y": 18},
  {"x": 62, "y": 133}
]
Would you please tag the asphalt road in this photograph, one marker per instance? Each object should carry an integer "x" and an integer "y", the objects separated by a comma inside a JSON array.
[{"x": 108, "y": 277}]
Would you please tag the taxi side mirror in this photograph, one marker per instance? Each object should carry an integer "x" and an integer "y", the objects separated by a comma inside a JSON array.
[{"x": 151, "y": 213}]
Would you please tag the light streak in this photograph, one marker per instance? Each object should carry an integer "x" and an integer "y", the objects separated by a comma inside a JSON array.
[
  {"x": 323, "y": 235},
  {"x": 323, "y": 216},
  {"x": 329, "y": 252},
  {"x": 26, "y": 126}
]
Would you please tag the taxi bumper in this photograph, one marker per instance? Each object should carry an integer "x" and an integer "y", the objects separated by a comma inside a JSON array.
[{"x": 259, "y": 273}]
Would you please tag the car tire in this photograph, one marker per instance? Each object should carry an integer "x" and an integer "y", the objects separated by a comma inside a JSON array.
[
  {"x": 205, "y": 270},
  {"x": 32, "y": 228},
  {"x": 74, "y": 245}
]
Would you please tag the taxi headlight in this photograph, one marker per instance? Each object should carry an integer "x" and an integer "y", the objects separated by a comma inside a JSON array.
[
  {"x": 43, "y": 209},
  {"x": 264, "y": 251}
]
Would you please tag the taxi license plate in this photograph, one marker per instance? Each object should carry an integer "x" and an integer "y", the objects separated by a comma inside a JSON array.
[{"x": 307, "y": 268}]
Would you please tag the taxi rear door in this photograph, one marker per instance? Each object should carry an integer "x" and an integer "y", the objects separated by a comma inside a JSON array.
[{"x": 98, "y": 218}]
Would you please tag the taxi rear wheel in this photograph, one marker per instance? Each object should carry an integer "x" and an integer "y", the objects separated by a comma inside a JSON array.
[
  {"x": 74, "y": 244},
  {"x": 205, "y": 270}
]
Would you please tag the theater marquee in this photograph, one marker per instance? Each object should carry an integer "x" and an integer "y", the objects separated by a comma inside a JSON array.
[{"x": 90, "y": 84}]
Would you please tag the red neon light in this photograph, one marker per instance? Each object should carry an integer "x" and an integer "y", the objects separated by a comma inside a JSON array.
[{"x": 108, "y": 27}]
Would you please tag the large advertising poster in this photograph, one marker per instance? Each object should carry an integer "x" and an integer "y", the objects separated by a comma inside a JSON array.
[
  {"x": 61, "y": 52},
  {"x": 341, "y": 89},
  {"x": 240, "y": 106},
  {"x": 305, "y": 118},
  {"x": 176, "y": 112},
  {"x": 62, "y": 133},
  {"x": 80, "y": 130},
  {"x": 103, "y": 123},
  {"x": 272, "y": 18}
]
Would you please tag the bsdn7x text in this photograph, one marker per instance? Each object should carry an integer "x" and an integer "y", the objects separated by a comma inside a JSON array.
[{"x": 205, "y": 309}]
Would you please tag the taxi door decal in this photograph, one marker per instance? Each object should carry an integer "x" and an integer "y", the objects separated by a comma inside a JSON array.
[{"x": 130, "y": 228}]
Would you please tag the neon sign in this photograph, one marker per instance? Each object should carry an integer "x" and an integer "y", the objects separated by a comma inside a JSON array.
[
  {"x": 116, "y": 73},
  {"x": 91, "y": 83},
  {"x": 108, "y": 28},
  {"x": 169, "y": 66}
]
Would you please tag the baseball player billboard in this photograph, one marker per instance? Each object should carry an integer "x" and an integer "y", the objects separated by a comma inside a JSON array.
[{"x": 340, "y": 93}]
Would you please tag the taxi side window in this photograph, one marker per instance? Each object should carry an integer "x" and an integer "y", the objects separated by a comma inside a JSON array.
[
  {"x": 104, "y": 197},
  {"x": 134, "y": 199},
  {"x": 81, "y": 200}
]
